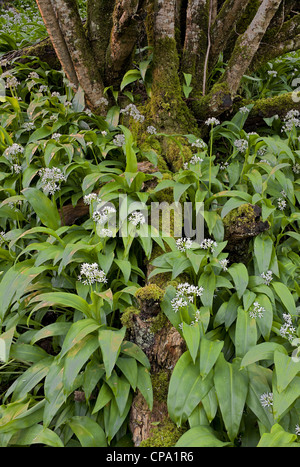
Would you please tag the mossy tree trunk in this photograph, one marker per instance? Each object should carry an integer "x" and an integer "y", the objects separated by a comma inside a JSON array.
[{"x": 186, "y": 36}]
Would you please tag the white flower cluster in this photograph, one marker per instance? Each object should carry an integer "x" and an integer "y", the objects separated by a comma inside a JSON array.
[
  {"x": 241, "y": 145},
  {"x": 208, "y": 244},
  {"x": 133, "y": 112},
  {"x": 56, "y": 136},
  {"x": 184, "y": 244},
  {"x": 197, "y": 317},
  {"x": 101, "y": 216},
  {"x": 87, "y": 199},
  {"x": 212, "y": 121},
  {"x": 296, "y": 168},
  {"x": 287, "y": 330},
  {"x": 257, "y": 311},
  {"x": 281, "y": 203},
  {"x": 199, "y": 143},
  {"x": 151, "y": 130},
  {"x": 194, "y": 160},
  {"x": 106, "y": 233},
  {"x": 137, "y": 218},
  {"x": 90, "y": 273},
  {"x": 119, "y": 140},
  {"x": 17, "y": 168},
  {"x": 297, "y": 429},
  {"x": 11, "y": 82},
  {"x": 185, "y": 294},
  {"x": 224, "y": 165},
  {"x": 12, "y": 151},
  {"x": 266, "y": 399},
  {"x": 224, "y": 264},
  {"x": 51, "y": 179},
  {"x": 28, "y": 126},
  {"x": 244, "y": 110},
  {"x": 272, "y": 73},
  {"x": 291, "y": 120},
  {"x": 267, "y": 276}
]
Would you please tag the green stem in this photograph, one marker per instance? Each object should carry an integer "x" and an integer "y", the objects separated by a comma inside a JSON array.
[{"x": 210, "y": 159}]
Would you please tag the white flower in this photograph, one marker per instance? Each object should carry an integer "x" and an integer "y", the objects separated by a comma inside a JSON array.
[
  {"x": 102, "y": 216},
  {"x": 224, "y": 165},
  {"x": 281, "y": 203},
  {"x": 55, "y": 94},
  {"x": 56, "y": 136},
  {"x": 151, "y": 129},
  {"x": 212, "y": 121},
  {"x": 87, "y": 199},
  {"x": 106, "y": 233},
  {"x": 137, "y": 218},
  {"x": 272, "y": 72},
  {"x": 241, "y": 145},
  {"x": 29, "y": 126},
  {"x": 133, "y": 112},
  {"x": 291, "y": 120},
  {"x": 90, "y": 273},
  {"x": 119, "y": 140},
  {"x": 257, "y": 311},
  {"x": 17, "y": 168},
  {"x": 296, "y": 168},
  {"x": 267, "y": 276},
  {"x": 13, "y": 151},
  {"x": 33, "y": 75},
  {"x": 43, "y": 88},
  {"x": 224, "y": 263},
  {"x": 287, "y": 330},
  {"x": 185, "y": 294},
  {"x": 103, "y": 133},
  {"x": 11, "y": 82},
  {"x": 244, "y": 110},
  {"x": 51, "y": 179},
  {"x": 88, "y": 112},
  {"x": 199, "y": 143},
  {"x": 266, "y": 399},
  {"x": 184, "y": 244},
  {"x": 297, "y": 429},
  {"x": 208, "y": 244}
]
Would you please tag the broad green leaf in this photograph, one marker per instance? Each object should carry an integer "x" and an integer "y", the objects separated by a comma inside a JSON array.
[
  {"x": 263, "y": 351},
  {"x": 191, "y": 334},
  {"x": 36, "y": 434},
  {"x": 129, "y": 368},
  {"x": 104, "y": 396},
  {"x": 43, "y": 207},
  {"x": 239, "y": 274},
  {"x": 64, "y": 299},
  {"x": 186, "y": 389},
  {"x": 231, "y": 387},
  {"x": 263, "y": 247},
  {"x": 265, "y": 322},
  {"x": 88, "y": 431},
  {"x": 113, "y": 419},
  {"x": 285, "y": 296},
  {"x": 131, "y": 160},
  {"x": 286, "y": 369},
  {"x": 110, "y": 343},
  {"x": 78, "y": 331},
  {"x": 54, "y": 391},
  {"x": 286, "y": 398},
  {"x": 130, "y": 77},
  {"x": 5, "y": 343},
  {"x": 259, "y": 383},
  {"x": 132, "y": 350},
  {"x": 208, "y": 282},
  {"x": 144, "y": 384},
  {"x": 278, "y": 437},
  {"x": 55, "y": 329},
  {"x": 76, "y": 357},
  {"x": 200, "y": 436},
  {"x": 209, "y": 353},
  {"x": 92, "y": 375},
  {"x": 245, "y": 333}
]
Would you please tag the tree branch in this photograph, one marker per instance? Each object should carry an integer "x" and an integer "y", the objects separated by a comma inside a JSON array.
[
  {"x": 123, "y": 38},
  {"x": 230, "y": 13},
  {"x": 81, "y": 52},
  {"x": 248, "y": 44},
  {"x": 57, "y": 39}
]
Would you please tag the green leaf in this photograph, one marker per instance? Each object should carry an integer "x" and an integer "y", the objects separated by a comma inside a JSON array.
[
  {"x": 130, "y": 77},
  {"x": 209, "y": 353},
  {"x": 110, "y": 343},
  {"x": 104, "y": 396},
  {"x": 191, "y": 334},
  {"x": 245, "y": 333},
  {"x": 113, "y": 419},
  {"x": 55, "y": 329},
  {"x": 43, "y": 207},
  {"x": 36, "y": 434},
  {"x": 76, "y": 357},
  {"x": 282, "y": 401},
  {"x": 186, "y": 389},
  {"x": 129, "y": 368},
  {"x": 200, "y": 436},
  {"x": 64, "y": 299},
  {"x": 5, "y": 344},
  {"x": 259, "y": 383},
  {"x": 144, "y": 384},
  {"x": 285, "y": 296},
  {"x": 263, "y": 248},
  {"x": 131, "y": 160},
  {"x": 231, "y": 386},
  {"x": 239, "y": 274},
  {"x": 78, "y": 331},
  {"x": 132, "y": 350},
  {"x": 286, "y": 369},
  {"x": 88, "y": 431},
  {"x": 263, "y": 351},
  {"x": 278, "y": 437}
]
